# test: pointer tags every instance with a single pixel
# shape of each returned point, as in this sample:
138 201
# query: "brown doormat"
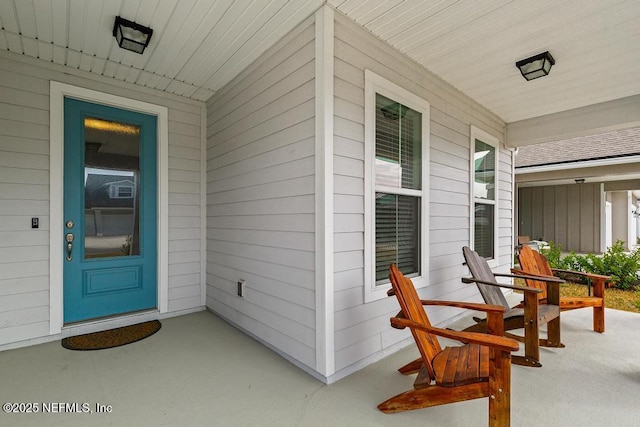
112 337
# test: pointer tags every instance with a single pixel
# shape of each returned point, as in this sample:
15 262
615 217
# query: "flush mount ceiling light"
131 36
536 66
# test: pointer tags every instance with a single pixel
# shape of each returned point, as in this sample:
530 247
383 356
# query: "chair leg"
553 323
499 388
411 367
598 312
433 395
518 338
525 361
532 352
553 333
598 318
531 338
550 343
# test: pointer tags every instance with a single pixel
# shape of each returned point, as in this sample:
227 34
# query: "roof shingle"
618 143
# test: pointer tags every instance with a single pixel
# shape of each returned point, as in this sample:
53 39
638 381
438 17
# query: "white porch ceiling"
198 46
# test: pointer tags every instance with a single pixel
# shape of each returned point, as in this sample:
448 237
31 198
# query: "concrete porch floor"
198 370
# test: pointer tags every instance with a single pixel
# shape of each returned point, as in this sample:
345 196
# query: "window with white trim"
396 184
121 190
484 194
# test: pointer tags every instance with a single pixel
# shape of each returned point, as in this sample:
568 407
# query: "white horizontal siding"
185 207
363 330
505 212
24 187
24 193
260 198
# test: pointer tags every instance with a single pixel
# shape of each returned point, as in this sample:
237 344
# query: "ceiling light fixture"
536 66
131 36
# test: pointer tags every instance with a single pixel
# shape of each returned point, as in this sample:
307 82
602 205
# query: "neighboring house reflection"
109 213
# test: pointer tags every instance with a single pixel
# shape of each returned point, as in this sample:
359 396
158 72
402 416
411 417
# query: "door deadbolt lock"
69 224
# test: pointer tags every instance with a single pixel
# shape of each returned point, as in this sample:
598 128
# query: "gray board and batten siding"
568 215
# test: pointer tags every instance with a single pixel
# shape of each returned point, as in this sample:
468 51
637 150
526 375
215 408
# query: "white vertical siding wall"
24 191
362 330
260 198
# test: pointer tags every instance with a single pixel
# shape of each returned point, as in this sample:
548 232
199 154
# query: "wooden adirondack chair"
530 316
534 263
480 368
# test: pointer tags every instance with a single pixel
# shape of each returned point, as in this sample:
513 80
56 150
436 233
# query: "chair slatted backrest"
534 262
480 270
412 308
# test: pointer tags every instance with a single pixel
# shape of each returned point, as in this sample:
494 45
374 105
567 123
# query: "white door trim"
58 91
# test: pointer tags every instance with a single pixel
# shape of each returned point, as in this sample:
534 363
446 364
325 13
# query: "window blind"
398 165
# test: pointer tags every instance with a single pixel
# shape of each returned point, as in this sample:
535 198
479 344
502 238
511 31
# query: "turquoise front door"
110 211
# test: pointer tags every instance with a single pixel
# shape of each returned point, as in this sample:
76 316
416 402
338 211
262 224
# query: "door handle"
69 238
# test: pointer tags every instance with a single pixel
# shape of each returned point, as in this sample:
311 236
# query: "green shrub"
622 267
553 254
616 263
556 260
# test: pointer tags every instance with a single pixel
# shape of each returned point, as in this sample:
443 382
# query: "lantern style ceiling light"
131 36
536 66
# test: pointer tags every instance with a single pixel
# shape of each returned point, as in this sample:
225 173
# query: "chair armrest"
502 285
497 342
487 308
581 273
525 275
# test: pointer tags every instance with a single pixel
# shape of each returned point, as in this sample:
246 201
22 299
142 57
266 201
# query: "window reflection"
112 184
484 182
484 193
